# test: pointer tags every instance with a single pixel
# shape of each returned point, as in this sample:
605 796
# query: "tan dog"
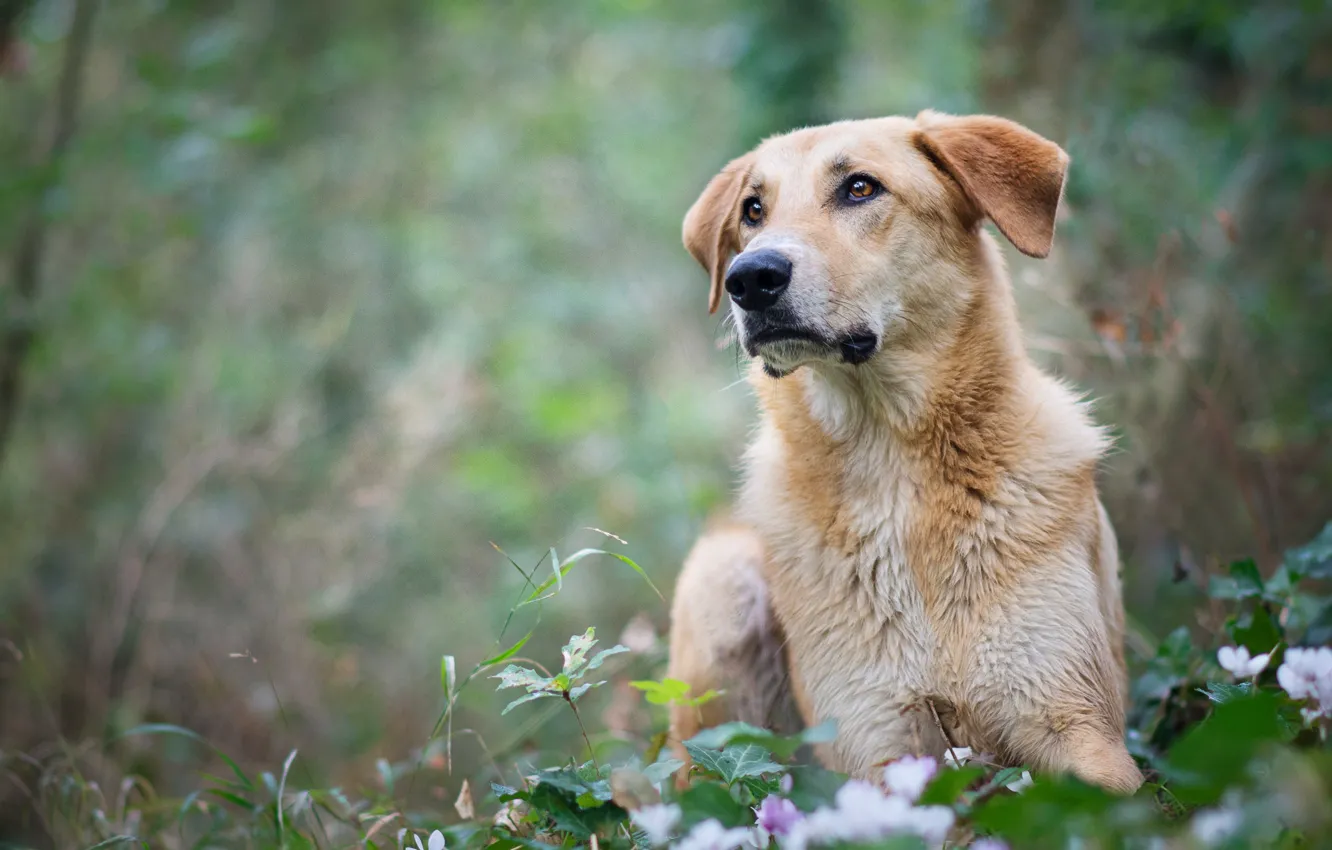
918 528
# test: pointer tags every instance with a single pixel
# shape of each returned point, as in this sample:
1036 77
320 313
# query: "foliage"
334 294
1229 761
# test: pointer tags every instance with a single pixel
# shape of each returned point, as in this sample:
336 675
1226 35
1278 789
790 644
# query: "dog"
918 551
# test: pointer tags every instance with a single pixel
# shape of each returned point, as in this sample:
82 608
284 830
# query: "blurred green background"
306 304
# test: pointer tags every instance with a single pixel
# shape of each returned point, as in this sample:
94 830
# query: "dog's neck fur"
951 394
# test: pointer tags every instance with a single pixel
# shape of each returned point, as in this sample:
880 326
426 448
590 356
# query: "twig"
592 754
948 739
27 270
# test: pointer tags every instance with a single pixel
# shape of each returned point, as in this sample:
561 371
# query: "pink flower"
777 815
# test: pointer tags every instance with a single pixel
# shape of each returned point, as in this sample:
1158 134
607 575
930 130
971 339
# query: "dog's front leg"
724 638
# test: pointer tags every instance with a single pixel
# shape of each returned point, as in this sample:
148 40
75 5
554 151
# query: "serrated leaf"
576 650
514 676
734 762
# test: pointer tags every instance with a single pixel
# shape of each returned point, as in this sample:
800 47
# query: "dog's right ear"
712 225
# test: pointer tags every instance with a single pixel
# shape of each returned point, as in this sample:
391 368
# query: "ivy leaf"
782 746
734 762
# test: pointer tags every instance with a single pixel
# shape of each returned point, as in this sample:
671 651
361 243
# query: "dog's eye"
753 211
860 188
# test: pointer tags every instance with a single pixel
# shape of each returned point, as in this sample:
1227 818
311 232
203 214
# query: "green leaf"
506 654
1220 692
813 786
542 592
1243 582
514 676
1313 559
660 771
576 650
734 762
1256 630
171 729
119 839
782 746
526 698
705 800
282 785
600 657
233 798
448 675
672 692
949 783
1048 814
1216 753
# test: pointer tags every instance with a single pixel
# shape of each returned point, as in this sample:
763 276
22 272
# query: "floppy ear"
711 229
1009 173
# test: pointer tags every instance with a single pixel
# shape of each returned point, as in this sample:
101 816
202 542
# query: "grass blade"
282 786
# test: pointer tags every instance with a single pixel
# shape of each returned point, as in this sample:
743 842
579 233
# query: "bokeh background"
306 304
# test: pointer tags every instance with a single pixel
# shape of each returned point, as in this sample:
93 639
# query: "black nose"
757 279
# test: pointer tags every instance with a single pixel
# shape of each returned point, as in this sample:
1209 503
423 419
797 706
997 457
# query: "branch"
25 281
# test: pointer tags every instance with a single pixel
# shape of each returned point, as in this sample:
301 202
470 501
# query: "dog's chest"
838 558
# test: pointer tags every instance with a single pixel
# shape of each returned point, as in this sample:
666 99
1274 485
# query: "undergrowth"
1233 739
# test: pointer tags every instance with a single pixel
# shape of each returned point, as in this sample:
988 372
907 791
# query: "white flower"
711 835
909 775
1238 663
988 844
865 813
1307 674
1024 782
957 756
1215 825
656 821
436 841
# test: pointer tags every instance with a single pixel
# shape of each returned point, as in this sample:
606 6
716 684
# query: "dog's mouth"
783 348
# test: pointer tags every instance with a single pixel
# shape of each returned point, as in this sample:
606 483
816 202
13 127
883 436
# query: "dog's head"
837 243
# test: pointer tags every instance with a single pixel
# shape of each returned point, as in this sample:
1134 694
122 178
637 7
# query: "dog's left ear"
1009 173
712 225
